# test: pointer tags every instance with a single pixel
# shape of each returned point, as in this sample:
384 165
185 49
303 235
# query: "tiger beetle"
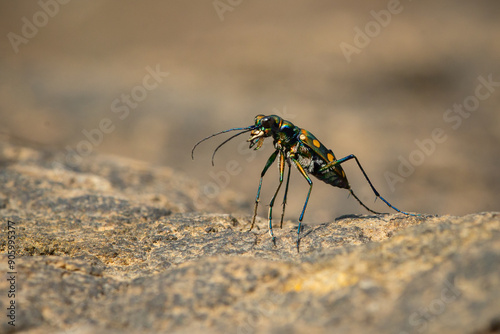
302 149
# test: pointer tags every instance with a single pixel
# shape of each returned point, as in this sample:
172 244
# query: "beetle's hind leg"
363 204
352 156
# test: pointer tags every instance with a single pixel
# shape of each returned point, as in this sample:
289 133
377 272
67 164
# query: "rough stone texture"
116 246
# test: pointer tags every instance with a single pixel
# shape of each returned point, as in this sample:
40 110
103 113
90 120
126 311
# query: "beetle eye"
267 122
258 118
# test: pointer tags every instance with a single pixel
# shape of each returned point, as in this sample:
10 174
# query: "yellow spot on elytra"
316 143
302 137
330 157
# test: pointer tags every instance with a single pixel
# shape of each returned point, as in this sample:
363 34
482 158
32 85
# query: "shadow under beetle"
301 148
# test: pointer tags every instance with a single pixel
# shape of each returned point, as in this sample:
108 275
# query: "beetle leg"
257 198
308 179
286 192
352 156
271 204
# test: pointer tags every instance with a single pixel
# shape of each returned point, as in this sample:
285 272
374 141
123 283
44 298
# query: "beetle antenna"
225 141
218 133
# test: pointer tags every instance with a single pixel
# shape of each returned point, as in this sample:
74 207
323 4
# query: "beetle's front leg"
271 204
257 198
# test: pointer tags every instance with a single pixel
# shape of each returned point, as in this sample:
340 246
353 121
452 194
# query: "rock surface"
117 246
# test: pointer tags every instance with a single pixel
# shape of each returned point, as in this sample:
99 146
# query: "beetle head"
265 126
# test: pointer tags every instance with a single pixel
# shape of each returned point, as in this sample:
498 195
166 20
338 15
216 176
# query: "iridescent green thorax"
286 135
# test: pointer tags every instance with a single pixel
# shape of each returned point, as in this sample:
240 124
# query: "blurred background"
367 77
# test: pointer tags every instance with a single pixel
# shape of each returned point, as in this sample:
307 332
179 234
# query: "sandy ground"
374 78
